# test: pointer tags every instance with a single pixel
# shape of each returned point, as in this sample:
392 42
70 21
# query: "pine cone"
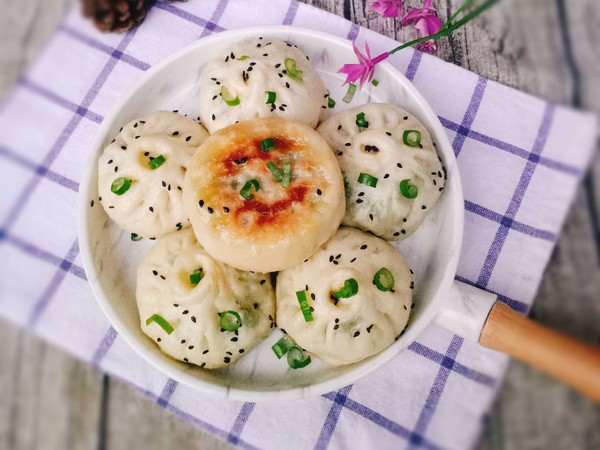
115 15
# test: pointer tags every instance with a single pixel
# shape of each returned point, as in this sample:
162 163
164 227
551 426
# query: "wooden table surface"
548 48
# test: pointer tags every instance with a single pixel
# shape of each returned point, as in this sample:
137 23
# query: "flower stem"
449 27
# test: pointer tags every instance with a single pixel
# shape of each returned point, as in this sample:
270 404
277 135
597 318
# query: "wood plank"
52 399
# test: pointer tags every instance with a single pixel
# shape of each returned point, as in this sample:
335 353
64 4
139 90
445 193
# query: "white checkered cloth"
521 160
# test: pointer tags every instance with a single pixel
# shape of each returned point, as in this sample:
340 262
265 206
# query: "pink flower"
366 67
426 23
387 8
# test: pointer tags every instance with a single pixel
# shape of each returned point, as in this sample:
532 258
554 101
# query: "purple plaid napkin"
521 159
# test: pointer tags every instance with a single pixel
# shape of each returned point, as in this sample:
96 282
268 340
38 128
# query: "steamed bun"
192 311
409 179
240 207
150 202
250 69
347 330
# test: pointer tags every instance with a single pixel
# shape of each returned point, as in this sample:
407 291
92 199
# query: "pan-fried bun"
150 156
348 329
182 314
273 227
247 71
370 140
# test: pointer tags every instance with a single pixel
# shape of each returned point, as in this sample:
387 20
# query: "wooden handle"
568 360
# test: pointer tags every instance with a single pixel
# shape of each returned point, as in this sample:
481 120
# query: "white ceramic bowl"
111 259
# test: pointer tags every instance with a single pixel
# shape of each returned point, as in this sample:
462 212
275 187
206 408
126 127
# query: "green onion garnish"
282 346
230 320
304 306
228 97
361 122
245 192
412 138
408 190
350 289
243 57
291 70
161 322
287 174
369 180
120 186
297 358
375 82
330 103
267 144
271 97
384 280
350 94
275 171
157 162
196 276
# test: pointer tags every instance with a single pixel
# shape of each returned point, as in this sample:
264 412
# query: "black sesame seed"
388 133
363 247
330 258
175 133
399 165
116 169
423 207
162 277
92 203
405 117
205 352
210 210
215 97
405 220
158 339
151 209
154 272
287 85
371 216
185 359
164 184
229 353
193 319
356 333
263 281
234 339
403 231
191 347
123 147
187 139
225 209
335 327
405 308
176 305
339 127
241 350
360 194
201 203
136 137
146 153
340 153
319 192
352 260
312 296
369 328
202 365
213 117
110 161
396 233
387 175
348 144
255 305
185 312
360 200
183 341
110 207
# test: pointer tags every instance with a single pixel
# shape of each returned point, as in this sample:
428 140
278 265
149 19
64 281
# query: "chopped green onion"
267 144
157 162
350 289
375 82
287 174
384 280
230 320
243 57
271 97
369 180
135 237
196 276
350 94
282 346
229 98
412 138
120 186
408 190
330 103
297 358
160 321
275 171
361 122
291 70
245 192
304 306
